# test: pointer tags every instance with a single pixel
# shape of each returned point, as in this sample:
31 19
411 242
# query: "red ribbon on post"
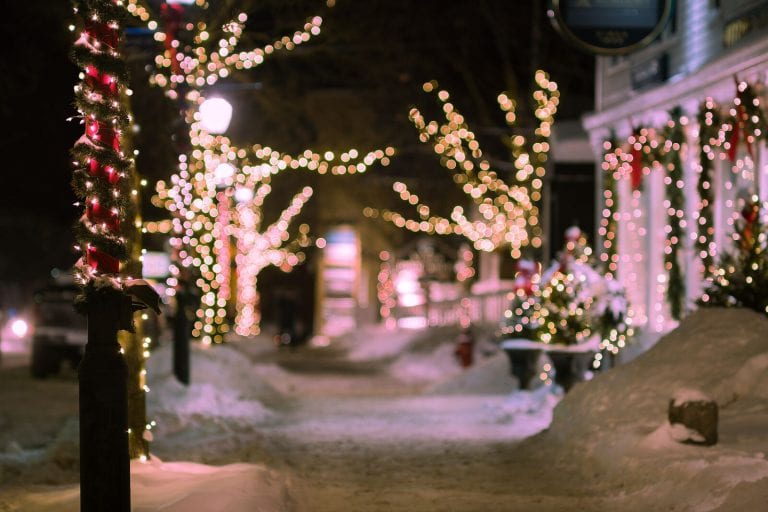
636 174
102 262
105 38
750 212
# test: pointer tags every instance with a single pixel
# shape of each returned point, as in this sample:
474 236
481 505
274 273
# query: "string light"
104 177
385 290
721 134
502 213
203 223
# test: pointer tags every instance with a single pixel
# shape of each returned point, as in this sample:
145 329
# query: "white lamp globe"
215 115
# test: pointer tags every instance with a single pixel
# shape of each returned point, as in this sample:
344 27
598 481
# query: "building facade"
667 207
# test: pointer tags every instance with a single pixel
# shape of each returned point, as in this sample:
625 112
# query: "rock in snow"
696 413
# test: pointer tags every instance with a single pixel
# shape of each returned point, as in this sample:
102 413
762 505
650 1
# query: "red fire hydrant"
465 347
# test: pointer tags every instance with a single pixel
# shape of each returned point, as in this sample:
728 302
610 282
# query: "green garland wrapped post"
709 126
103 181
675 205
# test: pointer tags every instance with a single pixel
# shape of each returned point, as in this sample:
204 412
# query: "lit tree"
741 279
260 247
502 213
201 211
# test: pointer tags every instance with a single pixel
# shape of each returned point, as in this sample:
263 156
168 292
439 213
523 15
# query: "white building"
705 50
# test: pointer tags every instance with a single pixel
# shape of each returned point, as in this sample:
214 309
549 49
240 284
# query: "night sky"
36 80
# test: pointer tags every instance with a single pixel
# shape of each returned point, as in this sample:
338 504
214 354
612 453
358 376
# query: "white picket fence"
482 308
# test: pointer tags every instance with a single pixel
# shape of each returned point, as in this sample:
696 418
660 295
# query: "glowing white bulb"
215 115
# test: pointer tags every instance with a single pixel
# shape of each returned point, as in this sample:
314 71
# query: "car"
59 333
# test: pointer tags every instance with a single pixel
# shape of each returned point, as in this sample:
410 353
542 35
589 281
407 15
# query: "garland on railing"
747 122
710 122
742 126
675 205
613 161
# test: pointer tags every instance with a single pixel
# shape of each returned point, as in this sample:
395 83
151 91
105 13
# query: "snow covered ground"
388 421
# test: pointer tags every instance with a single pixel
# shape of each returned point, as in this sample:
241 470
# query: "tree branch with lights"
502 212
199 201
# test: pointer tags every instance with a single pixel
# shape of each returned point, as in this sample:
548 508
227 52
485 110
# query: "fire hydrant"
465 346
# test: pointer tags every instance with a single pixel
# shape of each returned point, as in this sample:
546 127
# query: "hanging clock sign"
610 27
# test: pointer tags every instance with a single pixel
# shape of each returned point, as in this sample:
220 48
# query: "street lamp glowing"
215 115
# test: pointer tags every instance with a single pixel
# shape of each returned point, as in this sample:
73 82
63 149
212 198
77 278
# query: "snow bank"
219 413
222 367
224 386
174 487
529 412
616 423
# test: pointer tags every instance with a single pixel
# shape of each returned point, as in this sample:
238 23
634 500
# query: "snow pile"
203 399
530 412
437 364
224 406
616 423
174 487
490 376
222 367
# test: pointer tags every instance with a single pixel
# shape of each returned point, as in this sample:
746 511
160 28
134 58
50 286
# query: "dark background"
350 87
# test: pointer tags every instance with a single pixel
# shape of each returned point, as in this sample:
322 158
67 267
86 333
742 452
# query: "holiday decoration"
503 214
609 218
260 247
742 277
102 175
199 195
105 180
521 318
728 135
747 123
570 303
709 130
385 289
674 141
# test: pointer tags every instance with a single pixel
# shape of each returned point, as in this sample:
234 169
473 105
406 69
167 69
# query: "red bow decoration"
526 269
738 128
749 213
102 134
636 174
97 214
103 33
102 261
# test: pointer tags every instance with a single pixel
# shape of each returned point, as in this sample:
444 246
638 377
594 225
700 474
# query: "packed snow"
402 427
